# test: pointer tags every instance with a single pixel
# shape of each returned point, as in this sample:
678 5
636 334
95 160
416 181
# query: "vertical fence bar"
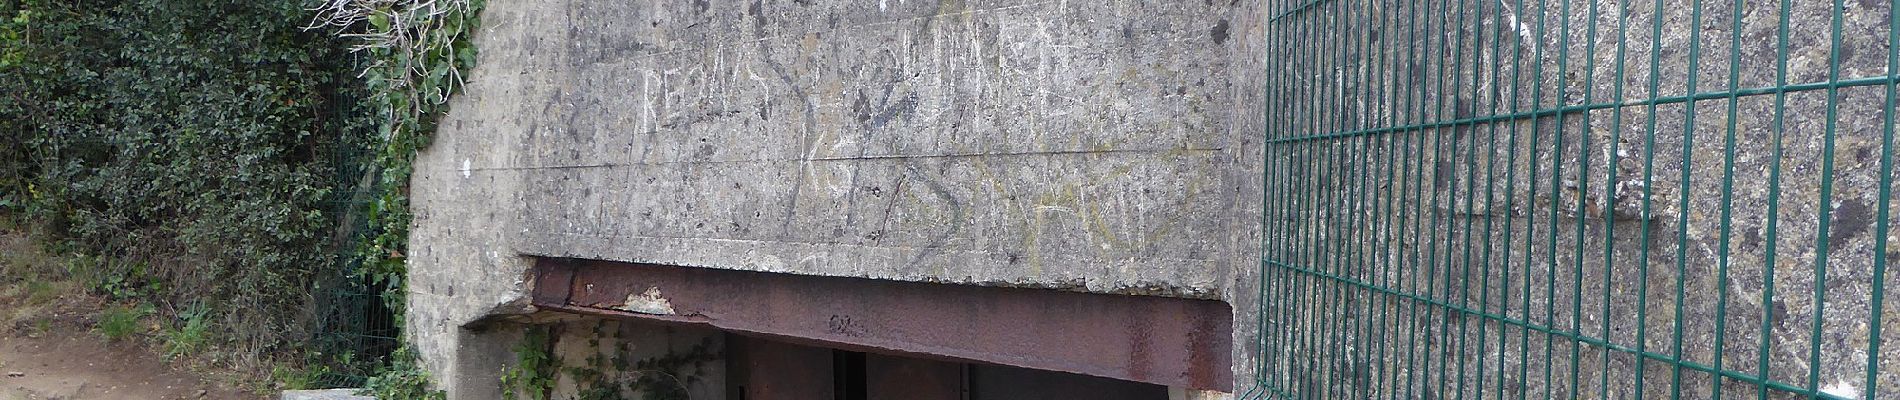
1884 201
1682 217
1774 196
1825 207
1728 196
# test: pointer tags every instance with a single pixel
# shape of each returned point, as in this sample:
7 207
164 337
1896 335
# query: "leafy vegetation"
120 322
532 376
209 152
403 379
185 148
289 377
603 375
189 336
417 51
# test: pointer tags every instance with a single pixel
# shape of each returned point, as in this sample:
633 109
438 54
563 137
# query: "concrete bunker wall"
1083 146
1113 147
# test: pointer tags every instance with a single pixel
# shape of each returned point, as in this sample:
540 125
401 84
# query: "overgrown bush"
188 146
416 51
187 151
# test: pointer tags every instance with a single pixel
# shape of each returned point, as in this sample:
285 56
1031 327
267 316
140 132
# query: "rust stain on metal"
648 302
1166 341
552 278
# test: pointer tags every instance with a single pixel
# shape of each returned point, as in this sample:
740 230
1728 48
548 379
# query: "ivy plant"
417 52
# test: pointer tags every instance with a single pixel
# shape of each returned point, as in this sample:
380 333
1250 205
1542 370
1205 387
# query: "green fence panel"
1579 199
356 330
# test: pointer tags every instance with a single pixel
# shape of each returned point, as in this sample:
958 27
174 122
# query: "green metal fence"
355 328
1561 199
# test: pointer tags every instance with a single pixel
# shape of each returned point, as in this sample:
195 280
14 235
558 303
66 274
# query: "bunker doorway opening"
955 341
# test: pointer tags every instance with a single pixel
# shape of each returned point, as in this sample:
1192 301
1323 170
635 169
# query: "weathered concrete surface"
1244 189
1042 144
1075 145
328 394
463 266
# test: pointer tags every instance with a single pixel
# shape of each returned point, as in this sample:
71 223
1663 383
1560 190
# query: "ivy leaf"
379 21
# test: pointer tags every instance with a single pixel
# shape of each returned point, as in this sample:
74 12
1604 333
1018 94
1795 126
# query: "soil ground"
79 367
49 348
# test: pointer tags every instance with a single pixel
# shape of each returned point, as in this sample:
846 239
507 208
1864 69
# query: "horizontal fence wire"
1579 199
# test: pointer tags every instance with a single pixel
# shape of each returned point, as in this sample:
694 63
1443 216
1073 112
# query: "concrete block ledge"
326 394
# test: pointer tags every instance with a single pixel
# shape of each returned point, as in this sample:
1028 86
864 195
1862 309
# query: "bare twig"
410 29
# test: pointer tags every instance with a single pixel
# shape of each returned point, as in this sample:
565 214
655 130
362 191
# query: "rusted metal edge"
1167 341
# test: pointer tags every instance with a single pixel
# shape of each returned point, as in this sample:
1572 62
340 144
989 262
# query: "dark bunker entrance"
787 336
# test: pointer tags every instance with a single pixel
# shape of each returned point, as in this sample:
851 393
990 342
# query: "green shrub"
191 151
190 334
119 322
417 52
185 150
403 379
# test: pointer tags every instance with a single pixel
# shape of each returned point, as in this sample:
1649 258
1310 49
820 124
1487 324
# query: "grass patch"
292 378
31 281
41 291
119 322
189 336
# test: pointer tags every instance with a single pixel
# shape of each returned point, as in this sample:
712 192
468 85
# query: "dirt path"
49 349
78 366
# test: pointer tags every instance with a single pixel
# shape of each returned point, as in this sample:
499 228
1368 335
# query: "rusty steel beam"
1159 340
